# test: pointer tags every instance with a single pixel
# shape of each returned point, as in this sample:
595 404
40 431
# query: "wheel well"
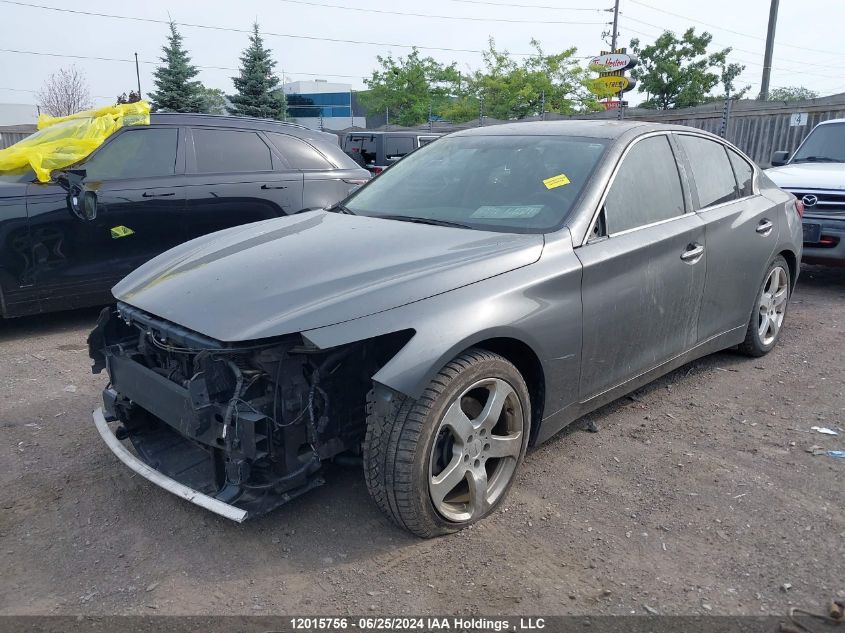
792 262
526 361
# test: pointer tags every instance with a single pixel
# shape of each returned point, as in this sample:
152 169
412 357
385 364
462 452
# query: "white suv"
816 175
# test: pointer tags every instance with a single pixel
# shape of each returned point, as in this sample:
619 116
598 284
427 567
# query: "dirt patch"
698 495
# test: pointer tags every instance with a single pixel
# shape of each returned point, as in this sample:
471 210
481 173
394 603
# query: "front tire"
769 311
440 463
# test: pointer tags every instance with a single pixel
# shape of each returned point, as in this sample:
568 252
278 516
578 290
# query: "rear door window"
711 170
230 151
647 187
142 153
298 153
744 174
396 147
363 145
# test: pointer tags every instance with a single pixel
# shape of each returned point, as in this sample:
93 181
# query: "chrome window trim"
648 226
611 180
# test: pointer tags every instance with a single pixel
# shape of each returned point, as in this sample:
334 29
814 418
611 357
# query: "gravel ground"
697 496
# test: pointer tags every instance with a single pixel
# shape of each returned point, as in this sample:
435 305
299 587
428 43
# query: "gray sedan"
476 298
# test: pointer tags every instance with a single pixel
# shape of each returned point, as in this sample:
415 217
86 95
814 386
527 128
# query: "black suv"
65 243
376 151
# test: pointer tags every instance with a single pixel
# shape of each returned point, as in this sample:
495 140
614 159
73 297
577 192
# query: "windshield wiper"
817 159
339 208
419 220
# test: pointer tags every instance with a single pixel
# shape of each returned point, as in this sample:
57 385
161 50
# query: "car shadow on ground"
822 277
46 324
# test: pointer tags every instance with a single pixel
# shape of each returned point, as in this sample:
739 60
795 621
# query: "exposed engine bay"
248 424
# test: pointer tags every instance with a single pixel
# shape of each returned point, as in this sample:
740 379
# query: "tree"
64 93
792 93
132 98
408 87
213 101
176 89
515 90
677 72
256 85
727 76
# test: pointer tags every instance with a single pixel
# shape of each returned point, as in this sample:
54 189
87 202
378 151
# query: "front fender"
538 305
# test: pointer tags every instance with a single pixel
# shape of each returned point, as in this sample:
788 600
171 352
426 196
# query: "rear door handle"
693 253
274 186
147 194
765 227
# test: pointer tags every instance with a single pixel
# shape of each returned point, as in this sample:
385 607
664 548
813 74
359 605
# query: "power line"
727 30
734 48
246 31
144 61
527 6
428 15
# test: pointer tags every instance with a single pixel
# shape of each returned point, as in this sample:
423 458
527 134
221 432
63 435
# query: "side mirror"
83 203
779 158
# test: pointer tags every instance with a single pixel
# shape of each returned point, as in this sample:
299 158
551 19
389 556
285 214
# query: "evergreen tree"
257 93
176 90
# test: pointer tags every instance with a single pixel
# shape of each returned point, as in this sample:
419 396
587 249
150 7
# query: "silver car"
476 298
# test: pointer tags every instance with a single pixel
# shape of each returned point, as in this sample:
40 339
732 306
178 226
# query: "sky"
806 50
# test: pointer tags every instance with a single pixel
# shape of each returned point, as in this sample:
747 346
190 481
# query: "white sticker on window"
507 212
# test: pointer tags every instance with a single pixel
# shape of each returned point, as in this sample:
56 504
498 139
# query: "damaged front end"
245 426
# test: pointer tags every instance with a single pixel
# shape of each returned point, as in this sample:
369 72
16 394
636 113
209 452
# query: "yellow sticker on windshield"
556 181
121 231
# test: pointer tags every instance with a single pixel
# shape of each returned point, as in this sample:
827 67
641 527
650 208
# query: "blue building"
322 105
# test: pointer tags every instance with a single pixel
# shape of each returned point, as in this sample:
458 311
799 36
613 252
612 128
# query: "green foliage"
176 90
213 101
133 97
727 76
515 90
408 87
506 88
678 72
256 85
792 93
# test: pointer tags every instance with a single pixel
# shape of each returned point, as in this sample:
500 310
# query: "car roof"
832 121
579 127
395 133
252 123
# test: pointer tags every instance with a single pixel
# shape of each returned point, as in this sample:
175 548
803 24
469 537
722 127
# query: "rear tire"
769 313
440 463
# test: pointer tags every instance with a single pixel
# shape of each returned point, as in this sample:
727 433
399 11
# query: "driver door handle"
274 186
693 253
147 194
765 227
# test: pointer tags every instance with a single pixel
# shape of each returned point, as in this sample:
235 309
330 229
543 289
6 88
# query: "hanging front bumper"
171 485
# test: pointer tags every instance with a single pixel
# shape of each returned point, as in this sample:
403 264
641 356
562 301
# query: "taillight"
799 207
378 170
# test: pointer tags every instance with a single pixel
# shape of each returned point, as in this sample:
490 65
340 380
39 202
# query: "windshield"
826 144
521 184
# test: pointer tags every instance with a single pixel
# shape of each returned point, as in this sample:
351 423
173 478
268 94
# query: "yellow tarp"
63 141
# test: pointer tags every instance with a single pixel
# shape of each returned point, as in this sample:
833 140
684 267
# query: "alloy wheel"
476 450
772 305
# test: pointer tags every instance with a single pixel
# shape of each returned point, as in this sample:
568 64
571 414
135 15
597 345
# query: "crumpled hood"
314 269
809 175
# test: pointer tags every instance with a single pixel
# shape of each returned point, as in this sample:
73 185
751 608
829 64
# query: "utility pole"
138 75
387 117
615 34
543 105
480 110
770 47
620 114
429 116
